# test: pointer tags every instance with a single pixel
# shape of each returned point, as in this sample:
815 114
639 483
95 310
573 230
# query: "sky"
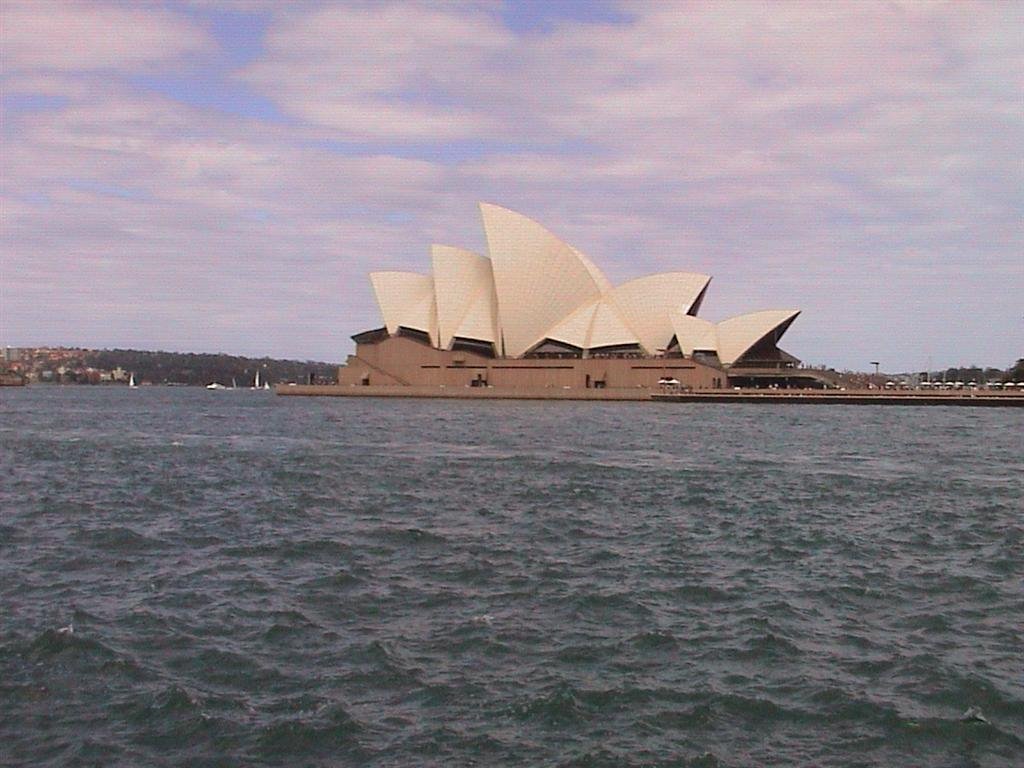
221 176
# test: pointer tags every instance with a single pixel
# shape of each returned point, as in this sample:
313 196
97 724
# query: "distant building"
536 312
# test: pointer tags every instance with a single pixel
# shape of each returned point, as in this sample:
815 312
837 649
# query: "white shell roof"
406 298
738 334
608 328
464 287
598 324
694 334
645 304
595 273
575 329
481 319
534 286
539 280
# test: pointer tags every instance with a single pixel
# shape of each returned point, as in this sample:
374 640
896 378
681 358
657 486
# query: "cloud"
859 160
86 36
381 70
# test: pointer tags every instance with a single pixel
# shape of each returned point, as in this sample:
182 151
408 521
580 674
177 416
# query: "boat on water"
131 381
218 386
260 385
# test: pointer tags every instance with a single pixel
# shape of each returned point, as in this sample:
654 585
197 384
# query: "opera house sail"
535 312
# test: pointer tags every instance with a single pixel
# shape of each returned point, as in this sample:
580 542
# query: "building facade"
537 313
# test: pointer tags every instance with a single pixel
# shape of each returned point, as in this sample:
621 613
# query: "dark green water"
254 580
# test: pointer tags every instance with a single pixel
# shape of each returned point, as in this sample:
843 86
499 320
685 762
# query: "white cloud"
86 36
355 68
853 159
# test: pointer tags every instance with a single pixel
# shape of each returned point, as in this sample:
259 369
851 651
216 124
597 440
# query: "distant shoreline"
105 367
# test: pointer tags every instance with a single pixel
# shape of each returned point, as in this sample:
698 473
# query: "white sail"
256 384
131 380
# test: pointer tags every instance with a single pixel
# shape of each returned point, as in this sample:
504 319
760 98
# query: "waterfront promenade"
968 398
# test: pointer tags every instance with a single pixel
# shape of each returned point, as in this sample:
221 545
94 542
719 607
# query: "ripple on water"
331 732
268 581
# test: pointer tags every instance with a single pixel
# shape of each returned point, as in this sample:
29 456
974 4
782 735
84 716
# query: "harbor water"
231 578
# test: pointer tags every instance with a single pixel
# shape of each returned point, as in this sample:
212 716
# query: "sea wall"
466 392
792 397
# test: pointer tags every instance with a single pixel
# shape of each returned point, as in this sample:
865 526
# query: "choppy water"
255 580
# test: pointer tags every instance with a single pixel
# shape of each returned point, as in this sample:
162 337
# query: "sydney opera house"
536 313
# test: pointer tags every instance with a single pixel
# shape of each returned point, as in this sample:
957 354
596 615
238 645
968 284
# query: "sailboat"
131 381
257 384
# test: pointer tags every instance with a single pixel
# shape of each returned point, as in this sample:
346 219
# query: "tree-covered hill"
201 369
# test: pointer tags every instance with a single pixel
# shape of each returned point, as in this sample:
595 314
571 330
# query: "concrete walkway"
978 398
